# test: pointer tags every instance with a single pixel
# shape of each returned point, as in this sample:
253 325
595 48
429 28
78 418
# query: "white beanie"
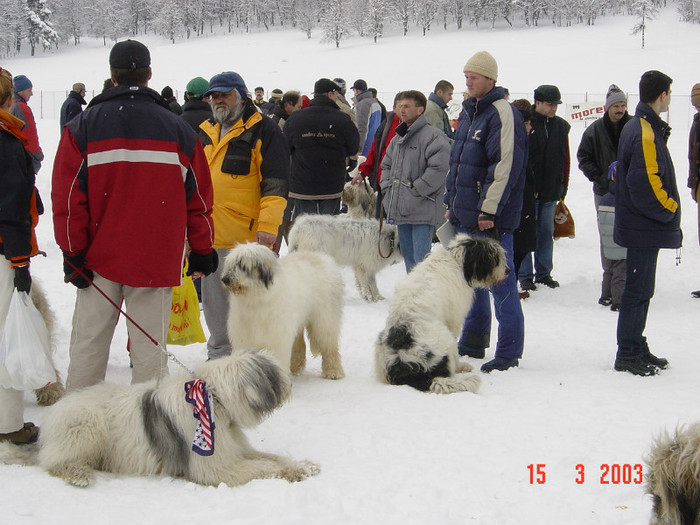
484 64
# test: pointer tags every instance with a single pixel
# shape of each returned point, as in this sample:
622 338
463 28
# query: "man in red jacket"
130 185
23 92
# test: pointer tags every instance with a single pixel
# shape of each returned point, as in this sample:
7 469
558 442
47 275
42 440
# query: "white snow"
393 455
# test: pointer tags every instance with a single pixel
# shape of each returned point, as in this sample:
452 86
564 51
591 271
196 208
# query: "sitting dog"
418 347
274 299
673 477
351 242
360 199
151 429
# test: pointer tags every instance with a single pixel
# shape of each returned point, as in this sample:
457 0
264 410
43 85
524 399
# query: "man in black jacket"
549 160
73 105
320 139
598 149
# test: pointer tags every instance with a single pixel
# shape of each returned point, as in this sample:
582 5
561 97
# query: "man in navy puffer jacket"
484 196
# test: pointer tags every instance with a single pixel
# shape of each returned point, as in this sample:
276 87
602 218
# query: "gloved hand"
352 164
23 280
206 264
71 275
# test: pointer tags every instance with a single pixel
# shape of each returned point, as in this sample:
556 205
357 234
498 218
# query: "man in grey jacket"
435 110
413 178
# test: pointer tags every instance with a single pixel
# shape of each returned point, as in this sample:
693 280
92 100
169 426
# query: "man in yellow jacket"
249 163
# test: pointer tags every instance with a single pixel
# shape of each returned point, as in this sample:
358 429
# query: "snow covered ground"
392 455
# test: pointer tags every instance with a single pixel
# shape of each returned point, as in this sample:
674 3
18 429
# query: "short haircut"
259 88
443 85
373 91
129 77
416 96
523 105
652 84
290 96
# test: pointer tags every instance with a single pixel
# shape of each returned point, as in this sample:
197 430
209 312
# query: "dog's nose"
226 280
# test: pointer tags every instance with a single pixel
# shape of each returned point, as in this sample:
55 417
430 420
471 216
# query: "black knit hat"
129 54
547 93
324 85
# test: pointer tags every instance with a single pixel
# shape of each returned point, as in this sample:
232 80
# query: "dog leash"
379 241
169 355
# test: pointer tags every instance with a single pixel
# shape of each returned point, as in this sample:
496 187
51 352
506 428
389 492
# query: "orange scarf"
13 125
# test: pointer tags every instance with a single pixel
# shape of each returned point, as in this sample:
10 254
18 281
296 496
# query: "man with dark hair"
249 162
130 186
170 100
484 198
435 111
265 106
320 138
368 115
598 149
647 218
413 178
548 158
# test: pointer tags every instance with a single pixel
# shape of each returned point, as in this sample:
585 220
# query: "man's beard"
224 115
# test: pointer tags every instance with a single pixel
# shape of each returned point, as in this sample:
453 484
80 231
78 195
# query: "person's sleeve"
200 198
500 150
586 156
274 177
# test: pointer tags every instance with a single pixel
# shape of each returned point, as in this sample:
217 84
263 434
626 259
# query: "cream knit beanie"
484 64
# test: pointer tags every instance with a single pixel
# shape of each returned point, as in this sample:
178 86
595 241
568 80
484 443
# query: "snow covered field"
392 455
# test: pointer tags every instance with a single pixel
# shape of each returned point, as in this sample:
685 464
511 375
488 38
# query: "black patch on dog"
268 385
401 373
164 437
687 507
399 338
480 259
264 274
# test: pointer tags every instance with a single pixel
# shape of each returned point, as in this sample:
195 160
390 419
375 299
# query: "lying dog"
418 347
274 299
351 242
147 429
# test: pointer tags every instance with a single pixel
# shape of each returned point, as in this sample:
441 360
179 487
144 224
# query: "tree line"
46 24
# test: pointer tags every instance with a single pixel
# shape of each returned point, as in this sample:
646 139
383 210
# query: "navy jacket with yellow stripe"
647 205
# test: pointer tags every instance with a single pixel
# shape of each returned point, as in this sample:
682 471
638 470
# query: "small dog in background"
418 347
274 299
50 393
673 477
351 242
360 199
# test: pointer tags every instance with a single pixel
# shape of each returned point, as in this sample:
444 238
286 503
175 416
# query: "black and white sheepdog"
274 299
418 347
351 242
151 429
673 477
360 199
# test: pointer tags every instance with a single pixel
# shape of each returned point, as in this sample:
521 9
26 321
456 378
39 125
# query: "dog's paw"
463 367
48 395
336 373
76 475
451 385
301 470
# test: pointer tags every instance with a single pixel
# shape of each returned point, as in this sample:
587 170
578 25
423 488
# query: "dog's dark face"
483 260
249 267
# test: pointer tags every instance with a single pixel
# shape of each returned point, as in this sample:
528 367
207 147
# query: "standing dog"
418 347
272 301
351 242
360 199
147 429
673 477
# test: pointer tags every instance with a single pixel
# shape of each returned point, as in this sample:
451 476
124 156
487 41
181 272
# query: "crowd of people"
227 167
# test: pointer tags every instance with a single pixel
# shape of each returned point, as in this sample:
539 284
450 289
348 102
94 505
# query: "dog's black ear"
264 273
480 259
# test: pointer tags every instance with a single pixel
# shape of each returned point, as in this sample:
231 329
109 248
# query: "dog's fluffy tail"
458 383
26 455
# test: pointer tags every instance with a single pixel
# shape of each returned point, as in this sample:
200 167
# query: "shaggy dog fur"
673 477
51 393
351 242
418 347
273 300
360 199
147 429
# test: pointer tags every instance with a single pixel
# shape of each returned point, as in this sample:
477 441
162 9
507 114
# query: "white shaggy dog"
274 299
351 242
418 347
147 429
673 477
360 199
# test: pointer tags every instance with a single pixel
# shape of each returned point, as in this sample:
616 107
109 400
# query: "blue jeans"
544 211
639 289
317 207
476 331
414 242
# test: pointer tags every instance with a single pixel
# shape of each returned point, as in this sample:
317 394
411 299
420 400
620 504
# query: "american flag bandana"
197 394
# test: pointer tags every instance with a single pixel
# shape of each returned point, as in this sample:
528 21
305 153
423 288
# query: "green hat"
197 87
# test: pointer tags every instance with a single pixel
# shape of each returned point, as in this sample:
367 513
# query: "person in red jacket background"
23 92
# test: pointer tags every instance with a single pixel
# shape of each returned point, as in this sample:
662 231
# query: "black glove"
352 164
206 264
71 274
23 280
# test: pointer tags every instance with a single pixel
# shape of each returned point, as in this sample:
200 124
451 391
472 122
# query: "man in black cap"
549 161
130 184
320 138
368 115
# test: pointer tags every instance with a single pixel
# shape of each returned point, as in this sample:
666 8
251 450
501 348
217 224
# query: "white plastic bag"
24 347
